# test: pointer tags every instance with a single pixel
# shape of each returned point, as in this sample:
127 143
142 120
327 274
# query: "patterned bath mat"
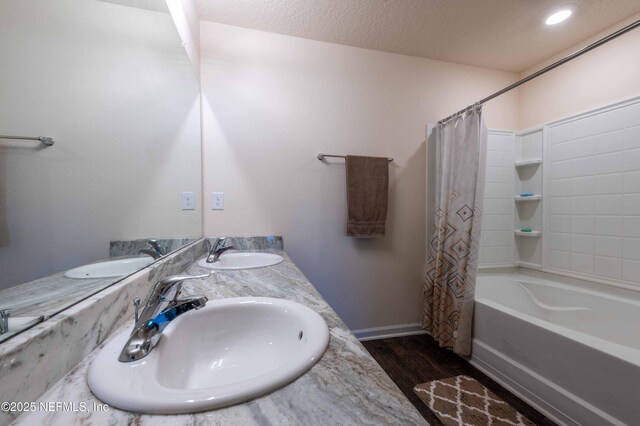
462 401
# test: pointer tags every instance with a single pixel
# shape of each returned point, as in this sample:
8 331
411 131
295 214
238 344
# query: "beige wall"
272 102
113 85
603 76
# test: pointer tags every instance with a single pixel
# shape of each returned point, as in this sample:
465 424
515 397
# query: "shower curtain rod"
548 68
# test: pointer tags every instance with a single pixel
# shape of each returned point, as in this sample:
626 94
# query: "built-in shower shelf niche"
527 163
528 211
520 198
533 234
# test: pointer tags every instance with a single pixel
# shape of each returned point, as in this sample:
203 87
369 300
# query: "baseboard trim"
388 331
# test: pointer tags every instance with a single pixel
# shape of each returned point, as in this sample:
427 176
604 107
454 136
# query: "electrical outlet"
217 200
188 201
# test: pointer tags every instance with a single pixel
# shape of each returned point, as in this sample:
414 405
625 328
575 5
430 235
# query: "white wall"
113 85
272 102
601 77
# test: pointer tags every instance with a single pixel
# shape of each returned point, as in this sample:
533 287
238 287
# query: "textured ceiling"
503 34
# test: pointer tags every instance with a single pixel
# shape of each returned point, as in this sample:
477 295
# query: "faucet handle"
167 283
176 279
217 248
218 243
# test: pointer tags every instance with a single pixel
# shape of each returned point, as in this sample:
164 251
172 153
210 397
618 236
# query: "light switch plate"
217 200
188 201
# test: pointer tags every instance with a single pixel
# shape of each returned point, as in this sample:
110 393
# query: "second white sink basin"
228 352
242 260
111 268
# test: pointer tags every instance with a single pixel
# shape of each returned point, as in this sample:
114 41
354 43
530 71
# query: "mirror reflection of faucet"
4 320
9 323
156 251
161 307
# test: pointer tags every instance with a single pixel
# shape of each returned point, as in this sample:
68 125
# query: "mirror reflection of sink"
242 260
111 268
228 352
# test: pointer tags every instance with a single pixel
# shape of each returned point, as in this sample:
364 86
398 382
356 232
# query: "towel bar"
321 157
45 140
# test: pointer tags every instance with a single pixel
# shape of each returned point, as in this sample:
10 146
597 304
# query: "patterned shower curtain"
452 253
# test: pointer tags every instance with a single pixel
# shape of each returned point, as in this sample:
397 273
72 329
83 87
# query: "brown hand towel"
367 195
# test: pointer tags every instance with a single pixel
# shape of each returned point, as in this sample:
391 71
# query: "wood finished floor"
418 359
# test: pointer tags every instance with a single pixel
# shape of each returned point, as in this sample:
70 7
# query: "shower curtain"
452 252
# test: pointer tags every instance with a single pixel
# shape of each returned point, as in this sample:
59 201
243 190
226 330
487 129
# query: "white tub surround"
567 347
345 387
583 215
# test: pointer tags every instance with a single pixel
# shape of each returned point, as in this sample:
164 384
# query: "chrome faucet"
155 252
4 320
161 307
217 248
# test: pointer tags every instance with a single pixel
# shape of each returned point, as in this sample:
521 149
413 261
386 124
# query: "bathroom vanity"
346 386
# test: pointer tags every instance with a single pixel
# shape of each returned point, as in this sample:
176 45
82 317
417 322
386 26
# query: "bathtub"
570 348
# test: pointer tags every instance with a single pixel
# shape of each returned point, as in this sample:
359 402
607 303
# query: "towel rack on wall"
321 157
45 140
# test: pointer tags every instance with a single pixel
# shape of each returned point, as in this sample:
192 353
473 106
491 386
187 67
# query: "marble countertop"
346 387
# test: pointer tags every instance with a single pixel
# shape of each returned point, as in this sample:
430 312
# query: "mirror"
110 82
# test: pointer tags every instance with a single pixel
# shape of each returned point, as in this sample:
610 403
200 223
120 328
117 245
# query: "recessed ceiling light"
558 16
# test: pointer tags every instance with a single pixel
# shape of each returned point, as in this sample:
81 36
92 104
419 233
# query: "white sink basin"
111 268
228 352
242 260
